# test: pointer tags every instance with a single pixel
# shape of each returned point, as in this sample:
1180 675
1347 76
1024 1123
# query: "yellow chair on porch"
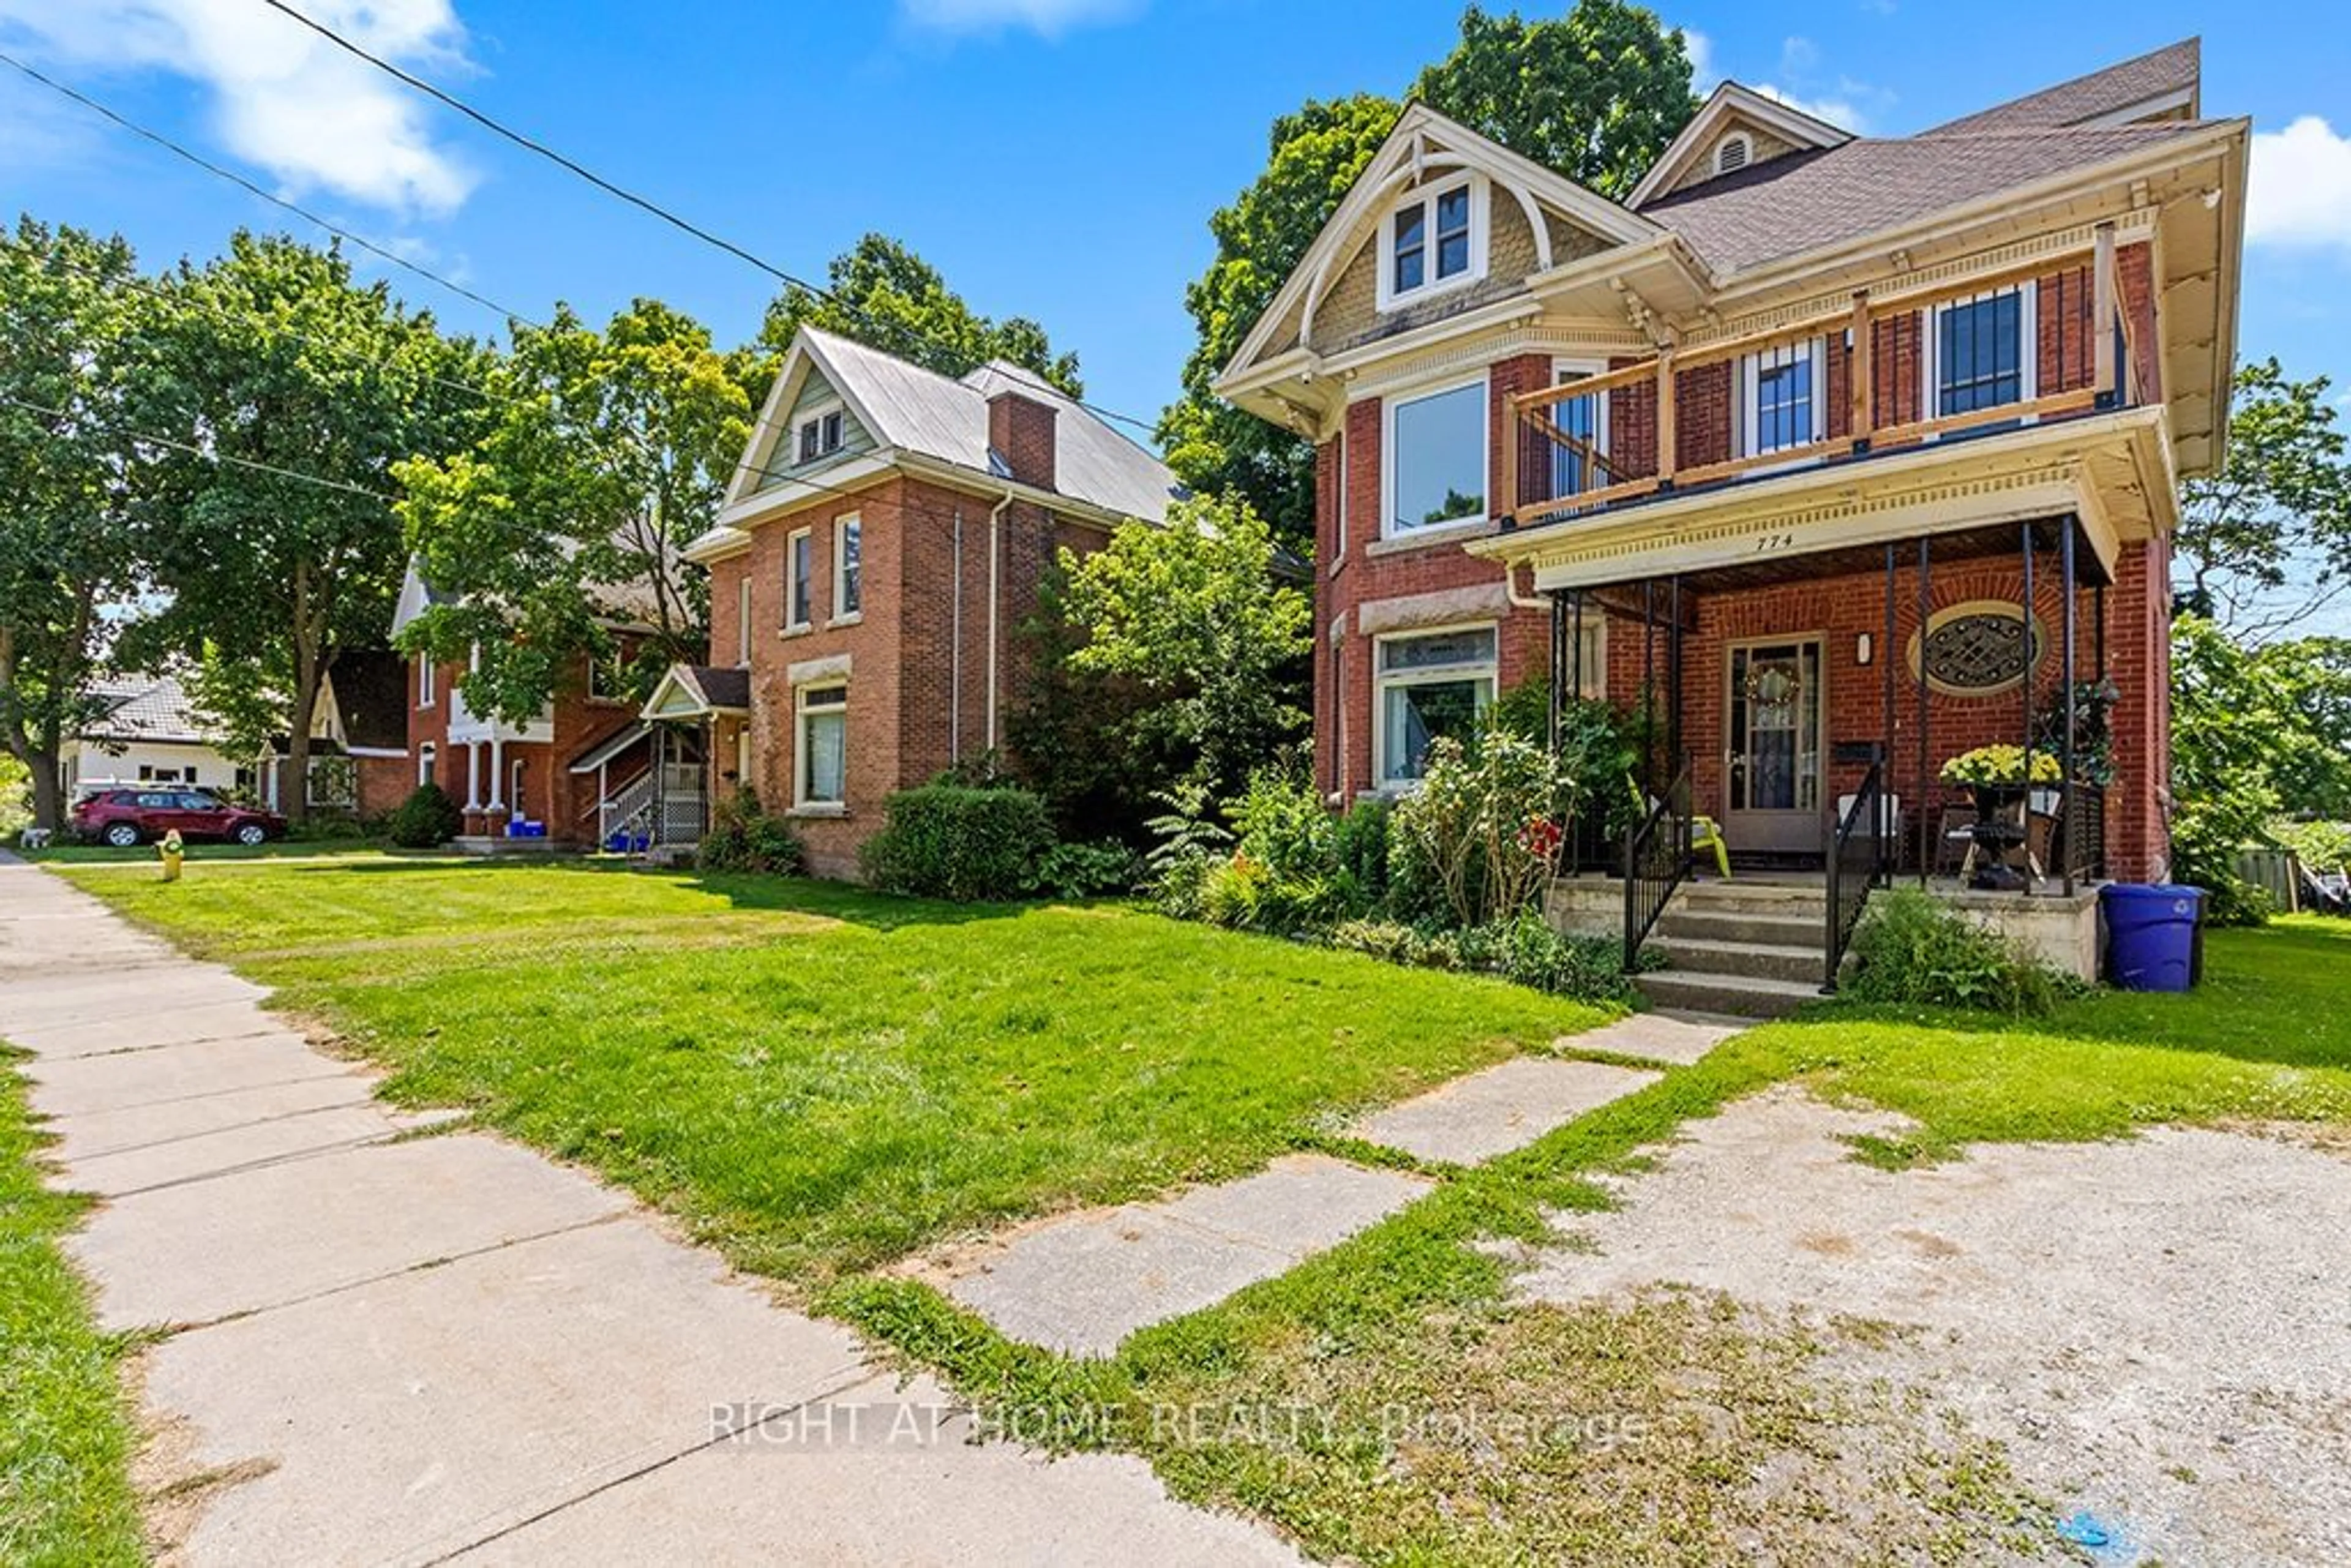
1706 833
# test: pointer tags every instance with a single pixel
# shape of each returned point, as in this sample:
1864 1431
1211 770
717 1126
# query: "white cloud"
284 97
1047 19
1701 59
1840 112
2299 192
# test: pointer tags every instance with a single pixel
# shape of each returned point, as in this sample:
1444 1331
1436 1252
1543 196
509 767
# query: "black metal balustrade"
1858 859
1656 859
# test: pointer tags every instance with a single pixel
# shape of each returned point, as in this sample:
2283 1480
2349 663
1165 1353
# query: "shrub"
1286 826
1087 870
1524 950
1473 843
743 837
427 818
1910 949
1360 847
948 841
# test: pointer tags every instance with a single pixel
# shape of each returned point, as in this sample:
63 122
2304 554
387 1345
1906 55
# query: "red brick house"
1837 455
880 546
572 775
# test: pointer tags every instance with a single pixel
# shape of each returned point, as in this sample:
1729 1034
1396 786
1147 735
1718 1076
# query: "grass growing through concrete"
824 1080
821 1079
65 1429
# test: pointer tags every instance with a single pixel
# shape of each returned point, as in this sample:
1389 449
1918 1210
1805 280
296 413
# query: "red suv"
126 817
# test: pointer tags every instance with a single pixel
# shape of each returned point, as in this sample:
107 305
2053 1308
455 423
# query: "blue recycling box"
2151 934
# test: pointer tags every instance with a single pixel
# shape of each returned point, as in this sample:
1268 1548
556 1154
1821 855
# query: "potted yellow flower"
2000 775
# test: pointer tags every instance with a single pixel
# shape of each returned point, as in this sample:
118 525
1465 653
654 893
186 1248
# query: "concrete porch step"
1738 996
1686 921
1748 960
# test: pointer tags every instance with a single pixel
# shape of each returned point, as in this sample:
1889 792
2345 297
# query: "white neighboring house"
147 733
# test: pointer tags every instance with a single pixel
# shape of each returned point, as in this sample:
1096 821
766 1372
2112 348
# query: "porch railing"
2082 832
1814 392
1858 859
1656 859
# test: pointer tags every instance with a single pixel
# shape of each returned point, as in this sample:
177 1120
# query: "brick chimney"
1021 432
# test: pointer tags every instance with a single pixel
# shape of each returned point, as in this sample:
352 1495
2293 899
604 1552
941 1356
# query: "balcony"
2012 394
468 727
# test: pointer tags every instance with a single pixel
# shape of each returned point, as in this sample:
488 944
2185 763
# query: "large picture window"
1436 458
823 745
1430 684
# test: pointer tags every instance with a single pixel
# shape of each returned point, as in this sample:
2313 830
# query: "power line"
642 203
160 139
217 456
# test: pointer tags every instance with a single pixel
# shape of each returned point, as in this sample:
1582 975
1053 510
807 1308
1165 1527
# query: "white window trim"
427 755
1388 297
2028 348
1595 658
815 414
801 804
792 584
743 622
1751 379
841 525
428 682
1723 146
1389 407
1433 675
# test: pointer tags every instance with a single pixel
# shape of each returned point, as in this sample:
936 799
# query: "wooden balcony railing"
1623 435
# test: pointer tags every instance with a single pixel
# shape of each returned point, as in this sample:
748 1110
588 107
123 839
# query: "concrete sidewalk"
450 1348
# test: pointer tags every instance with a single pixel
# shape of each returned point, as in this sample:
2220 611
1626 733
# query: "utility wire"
160 139
642 203
216 456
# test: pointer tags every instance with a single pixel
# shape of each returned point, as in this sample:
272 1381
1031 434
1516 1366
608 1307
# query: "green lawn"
65 1430
823 1080
199 851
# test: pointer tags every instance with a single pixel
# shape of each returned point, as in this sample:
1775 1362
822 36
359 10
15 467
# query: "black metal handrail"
1858 859
1656 859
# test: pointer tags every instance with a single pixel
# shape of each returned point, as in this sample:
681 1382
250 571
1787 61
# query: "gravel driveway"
2159 1330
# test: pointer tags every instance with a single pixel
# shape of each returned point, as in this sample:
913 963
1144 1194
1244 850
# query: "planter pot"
1999 829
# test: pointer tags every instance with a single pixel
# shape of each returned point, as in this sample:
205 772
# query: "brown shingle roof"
2166 71
1808 200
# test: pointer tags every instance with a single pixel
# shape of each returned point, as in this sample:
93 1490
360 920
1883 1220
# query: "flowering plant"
2002 765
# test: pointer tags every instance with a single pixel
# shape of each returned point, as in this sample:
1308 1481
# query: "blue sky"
1056 158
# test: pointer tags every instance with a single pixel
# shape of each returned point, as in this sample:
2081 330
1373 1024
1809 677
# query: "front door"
1772 765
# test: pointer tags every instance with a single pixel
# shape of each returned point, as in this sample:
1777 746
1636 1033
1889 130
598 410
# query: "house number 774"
1773 541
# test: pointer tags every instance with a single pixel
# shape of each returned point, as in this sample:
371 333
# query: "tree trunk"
295 794
48 796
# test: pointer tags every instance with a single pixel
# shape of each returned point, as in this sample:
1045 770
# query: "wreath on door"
1773 685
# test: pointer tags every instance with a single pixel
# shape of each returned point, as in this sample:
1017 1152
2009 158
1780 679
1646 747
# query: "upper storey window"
1432 240
1979 352
1435 458
820 435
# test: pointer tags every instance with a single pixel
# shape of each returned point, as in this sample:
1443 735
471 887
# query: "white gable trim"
773 428
1730 102
414 599
1424 142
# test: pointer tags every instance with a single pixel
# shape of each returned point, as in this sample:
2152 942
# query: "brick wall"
548 792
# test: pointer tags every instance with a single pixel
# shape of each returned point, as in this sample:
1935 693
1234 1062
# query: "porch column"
1649 681
2067 825
2026 686
1674 674
1926 610
1558 664
498 801
1577 656
1886 852
473 775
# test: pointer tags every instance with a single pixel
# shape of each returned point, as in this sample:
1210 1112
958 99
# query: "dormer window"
1733 152
820 435
1432 241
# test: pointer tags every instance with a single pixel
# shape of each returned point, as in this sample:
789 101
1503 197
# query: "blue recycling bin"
2151 934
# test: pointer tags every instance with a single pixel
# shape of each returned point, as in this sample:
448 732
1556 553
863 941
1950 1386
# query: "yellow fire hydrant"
171 850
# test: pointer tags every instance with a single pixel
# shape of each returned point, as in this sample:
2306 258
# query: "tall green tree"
69 333
1596 94
298 387
607 453
2265 543
1193 613
880 294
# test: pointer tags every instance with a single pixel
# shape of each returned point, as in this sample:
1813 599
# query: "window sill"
817 809
799 630
1392 300
1429 538
850 620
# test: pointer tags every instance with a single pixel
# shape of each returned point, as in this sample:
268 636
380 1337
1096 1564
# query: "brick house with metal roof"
1836 456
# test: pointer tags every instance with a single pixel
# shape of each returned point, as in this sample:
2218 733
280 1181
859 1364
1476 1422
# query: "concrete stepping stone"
927 1501
282 1233
1680 1039
120 1080
1080 1285
1505 1107
113 995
